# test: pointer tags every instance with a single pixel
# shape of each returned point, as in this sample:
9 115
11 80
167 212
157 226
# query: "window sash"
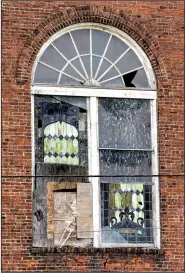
93 149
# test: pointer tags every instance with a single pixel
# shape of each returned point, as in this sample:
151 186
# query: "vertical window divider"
155 180
91 63
94 168
33 140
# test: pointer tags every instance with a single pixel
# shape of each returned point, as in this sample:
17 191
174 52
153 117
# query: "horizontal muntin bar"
123 149
125 182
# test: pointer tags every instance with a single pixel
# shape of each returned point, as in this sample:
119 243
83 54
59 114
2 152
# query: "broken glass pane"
128 79
140 80
77 101
124 123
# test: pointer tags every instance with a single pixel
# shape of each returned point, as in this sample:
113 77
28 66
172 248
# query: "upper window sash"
93 92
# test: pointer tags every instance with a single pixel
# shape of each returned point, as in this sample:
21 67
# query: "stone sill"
91 250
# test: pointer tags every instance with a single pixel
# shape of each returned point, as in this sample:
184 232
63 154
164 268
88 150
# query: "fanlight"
90 57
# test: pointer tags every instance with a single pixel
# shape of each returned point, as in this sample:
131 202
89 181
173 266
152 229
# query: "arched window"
95 114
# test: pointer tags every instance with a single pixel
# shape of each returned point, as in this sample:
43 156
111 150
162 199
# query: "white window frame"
93 152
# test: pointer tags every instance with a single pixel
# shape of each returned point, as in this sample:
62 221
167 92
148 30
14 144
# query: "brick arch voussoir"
96 14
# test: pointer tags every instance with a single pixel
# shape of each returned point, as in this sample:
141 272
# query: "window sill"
69 249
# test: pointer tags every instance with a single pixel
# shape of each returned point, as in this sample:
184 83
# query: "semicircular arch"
54 23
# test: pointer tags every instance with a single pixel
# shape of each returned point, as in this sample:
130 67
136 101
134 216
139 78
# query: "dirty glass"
125 163
124 123
125 150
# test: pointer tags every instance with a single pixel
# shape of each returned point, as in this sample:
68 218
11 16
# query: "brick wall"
158 28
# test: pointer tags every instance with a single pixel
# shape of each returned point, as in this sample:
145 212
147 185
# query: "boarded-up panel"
41 237
62 188
64 218
84 211
39 220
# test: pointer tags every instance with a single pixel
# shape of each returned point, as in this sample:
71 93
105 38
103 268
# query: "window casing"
103 155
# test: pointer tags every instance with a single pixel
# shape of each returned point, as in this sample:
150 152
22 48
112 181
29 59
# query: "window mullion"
155 171
94 168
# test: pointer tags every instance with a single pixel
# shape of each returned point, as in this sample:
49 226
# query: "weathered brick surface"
158 28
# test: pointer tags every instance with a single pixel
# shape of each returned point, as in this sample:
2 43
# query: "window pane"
69 70
110 74
61 143
53 58
82 40
115 49
45 74
79 102
99 41
104 66
115 83
128 62
140 79
125 163
65 46
64 130
86 63
126 213
124 123
95 64
77 64
66 80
